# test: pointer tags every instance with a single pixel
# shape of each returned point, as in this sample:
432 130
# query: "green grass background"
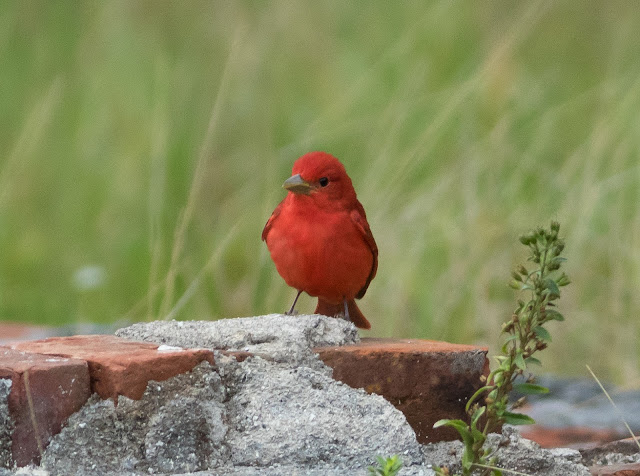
143 145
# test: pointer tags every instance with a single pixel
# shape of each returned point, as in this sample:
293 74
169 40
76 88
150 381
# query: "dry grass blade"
635 438
187 212
192 288
30 136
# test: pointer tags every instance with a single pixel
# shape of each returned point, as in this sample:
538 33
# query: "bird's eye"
324 181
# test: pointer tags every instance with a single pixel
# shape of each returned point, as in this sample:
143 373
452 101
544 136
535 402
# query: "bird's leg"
346 311
291 311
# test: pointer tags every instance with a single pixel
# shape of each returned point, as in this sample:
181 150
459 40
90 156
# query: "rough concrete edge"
6 425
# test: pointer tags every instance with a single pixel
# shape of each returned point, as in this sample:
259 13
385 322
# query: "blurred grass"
139 134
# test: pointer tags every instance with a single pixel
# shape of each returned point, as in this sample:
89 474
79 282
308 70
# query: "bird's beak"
296 184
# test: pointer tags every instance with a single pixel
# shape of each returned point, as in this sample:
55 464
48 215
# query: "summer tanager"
319 238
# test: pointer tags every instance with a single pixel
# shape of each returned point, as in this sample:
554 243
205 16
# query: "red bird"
319 238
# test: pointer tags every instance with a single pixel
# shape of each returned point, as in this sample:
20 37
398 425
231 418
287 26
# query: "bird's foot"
292 310
342 315
345 314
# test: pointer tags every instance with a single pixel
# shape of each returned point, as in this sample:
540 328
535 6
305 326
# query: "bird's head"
321 177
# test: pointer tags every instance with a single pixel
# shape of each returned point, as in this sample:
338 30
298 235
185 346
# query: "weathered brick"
568 437
630 469
16 331
119 366
426 380
45 391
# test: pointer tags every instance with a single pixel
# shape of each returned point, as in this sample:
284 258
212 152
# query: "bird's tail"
327 309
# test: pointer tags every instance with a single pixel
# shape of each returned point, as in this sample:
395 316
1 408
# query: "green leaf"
461 427
533 361
542 334
493 394
457 424
551 285
519 361
477 393
530 388
563 280
553 315
467 459
476 416
517 419
386 466
505 345
504 366
478 435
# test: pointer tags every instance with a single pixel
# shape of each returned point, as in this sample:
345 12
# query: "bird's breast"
322 253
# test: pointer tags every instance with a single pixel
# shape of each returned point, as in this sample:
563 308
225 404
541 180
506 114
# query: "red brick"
426 380
568 437
58 387
631 469
119 366
15 331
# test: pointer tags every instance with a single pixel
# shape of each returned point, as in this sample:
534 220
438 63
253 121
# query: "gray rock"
291 470
278 415
178 426
282 338
514 453
616 452
283 415
30 471
6 425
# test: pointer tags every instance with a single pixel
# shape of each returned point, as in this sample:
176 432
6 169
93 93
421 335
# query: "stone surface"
280 337
320 470
284 415
119 366
615 452
25 471
426 380
241 419
57 387
631 469
177 427
513 453
6 425
278 413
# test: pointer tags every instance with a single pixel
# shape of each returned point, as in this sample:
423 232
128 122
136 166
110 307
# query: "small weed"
526 335
386 466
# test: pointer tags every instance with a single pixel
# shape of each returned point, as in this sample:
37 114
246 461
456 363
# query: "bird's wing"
270 221
359 218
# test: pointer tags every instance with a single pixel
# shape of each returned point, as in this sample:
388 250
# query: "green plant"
386 466
526 335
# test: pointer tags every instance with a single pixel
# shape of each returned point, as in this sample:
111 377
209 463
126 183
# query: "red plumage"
319 238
